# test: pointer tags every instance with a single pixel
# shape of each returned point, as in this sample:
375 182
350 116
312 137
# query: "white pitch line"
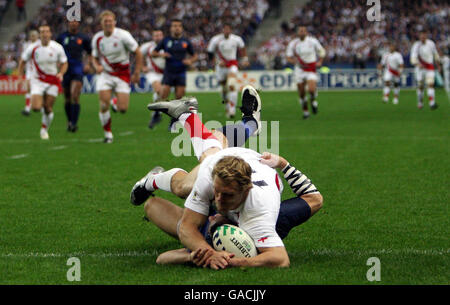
319 252
126 133
58 147
95 140
21 156
81 254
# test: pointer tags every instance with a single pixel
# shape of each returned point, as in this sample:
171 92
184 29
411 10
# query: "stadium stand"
202 19
3 8
342 27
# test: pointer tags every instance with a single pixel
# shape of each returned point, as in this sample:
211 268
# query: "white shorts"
301 76
424 75
388 76
222 72
28 74
154 77
38 87
106 81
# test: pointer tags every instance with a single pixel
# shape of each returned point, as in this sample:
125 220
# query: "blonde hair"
107 13
231 168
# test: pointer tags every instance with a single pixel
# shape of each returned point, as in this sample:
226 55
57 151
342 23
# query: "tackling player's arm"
299 183
267 257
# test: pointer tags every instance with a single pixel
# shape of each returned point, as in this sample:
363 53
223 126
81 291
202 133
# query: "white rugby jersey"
306 52
392 62
114 50
225 49
259 213
29 64
155 64
424 53
45 59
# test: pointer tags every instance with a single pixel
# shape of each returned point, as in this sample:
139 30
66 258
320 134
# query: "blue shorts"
293 212
174 79
69 77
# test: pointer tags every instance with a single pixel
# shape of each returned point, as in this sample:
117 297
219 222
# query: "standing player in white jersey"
111 49
224 48
424 56
33 35
392 62
154 70
307 54
50 65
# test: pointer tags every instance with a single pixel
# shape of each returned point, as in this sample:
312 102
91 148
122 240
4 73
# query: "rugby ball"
234 240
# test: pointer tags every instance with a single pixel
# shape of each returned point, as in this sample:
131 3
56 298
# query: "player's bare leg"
232 95
431 99
157 94
47 115
36 102
105 115
26 111
302 94
396 92
164 93
419 91
123 101
164 214
223 85
386 91
312 90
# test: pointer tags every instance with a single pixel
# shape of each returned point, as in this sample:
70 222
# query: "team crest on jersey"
115 45
169 44
184 45
79 41
66 40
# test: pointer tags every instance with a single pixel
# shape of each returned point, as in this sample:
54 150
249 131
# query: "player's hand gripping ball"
234 240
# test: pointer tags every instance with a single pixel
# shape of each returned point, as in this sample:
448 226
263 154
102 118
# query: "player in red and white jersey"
392 62
50 65
154 69
33 35
224 48
111 49
424 56
307 54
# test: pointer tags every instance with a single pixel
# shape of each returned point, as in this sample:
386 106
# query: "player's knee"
316 202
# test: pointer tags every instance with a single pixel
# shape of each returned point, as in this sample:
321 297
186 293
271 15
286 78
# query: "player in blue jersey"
179 54
74 44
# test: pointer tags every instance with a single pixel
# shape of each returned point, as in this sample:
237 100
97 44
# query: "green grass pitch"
383 171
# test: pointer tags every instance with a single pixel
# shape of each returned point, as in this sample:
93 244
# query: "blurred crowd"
340 25
344 30
202 19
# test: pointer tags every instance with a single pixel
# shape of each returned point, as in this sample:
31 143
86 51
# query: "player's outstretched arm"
267 257
299 183
178 256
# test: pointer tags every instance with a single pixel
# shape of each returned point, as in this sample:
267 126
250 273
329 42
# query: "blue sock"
74 113
238 134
